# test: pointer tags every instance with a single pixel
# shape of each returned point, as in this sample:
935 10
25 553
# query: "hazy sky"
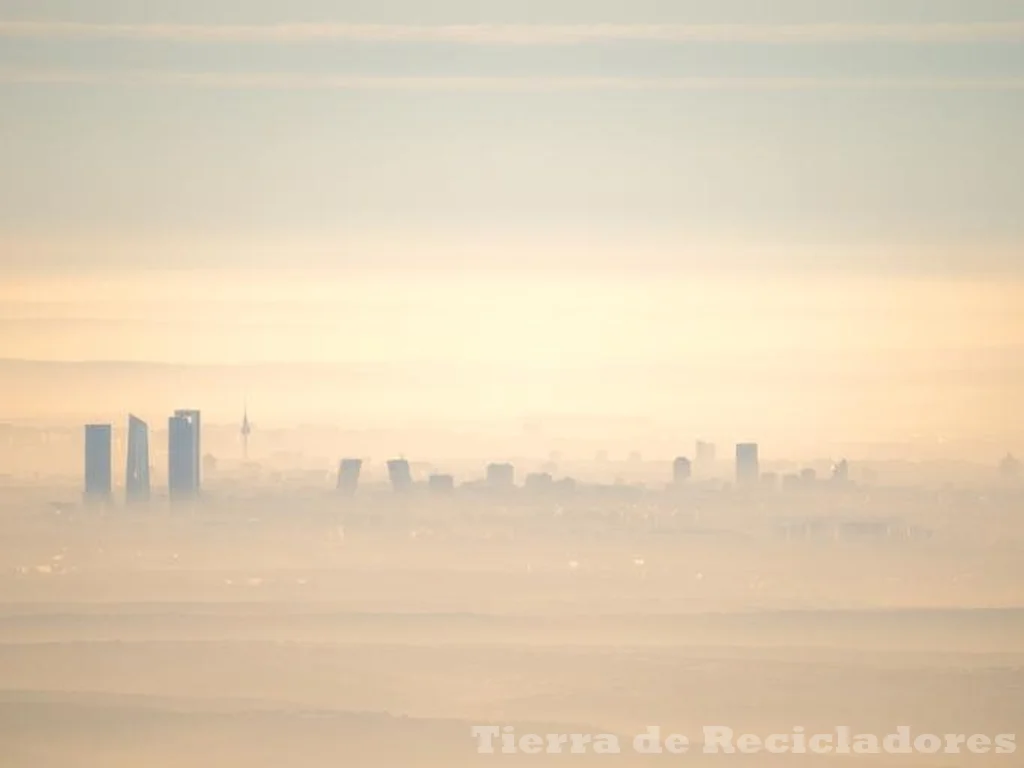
586 182
363 132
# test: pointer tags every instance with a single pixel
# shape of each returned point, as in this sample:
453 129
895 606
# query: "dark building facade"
195 419
183 460
348 475
400 475
98 464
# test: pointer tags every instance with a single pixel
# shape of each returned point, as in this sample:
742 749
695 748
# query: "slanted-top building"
400 475
136 475
348 475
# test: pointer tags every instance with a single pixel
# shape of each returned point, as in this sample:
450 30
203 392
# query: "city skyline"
377 374
725 214
185 461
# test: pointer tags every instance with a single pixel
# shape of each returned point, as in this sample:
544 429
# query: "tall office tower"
137 472
748 467
98 475
441 483
182 463
682 470
348 475
501 476
197 453
400 475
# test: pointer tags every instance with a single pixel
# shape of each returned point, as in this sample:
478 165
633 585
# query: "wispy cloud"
288 81
524 34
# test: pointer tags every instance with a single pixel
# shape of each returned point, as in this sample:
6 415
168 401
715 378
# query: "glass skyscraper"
183 457
98 479
137 469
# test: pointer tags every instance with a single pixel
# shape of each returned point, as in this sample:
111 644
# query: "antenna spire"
246 431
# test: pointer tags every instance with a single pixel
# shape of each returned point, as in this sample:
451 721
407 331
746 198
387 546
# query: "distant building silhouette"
348 475
1010 468
808 476
98 475
195 419
400 475
501 476
245 432
566 485
682 470
441 483
841 472
748 466
705 456
537 482
183 459
137 468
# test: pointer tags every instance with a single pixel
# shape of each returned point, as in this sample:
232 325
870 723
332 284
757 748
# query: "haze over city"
376 373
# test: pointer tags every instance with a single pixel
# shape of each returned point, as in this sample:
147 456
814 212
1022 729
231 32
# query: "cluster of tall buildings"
502 476
184 465
748 464
184 459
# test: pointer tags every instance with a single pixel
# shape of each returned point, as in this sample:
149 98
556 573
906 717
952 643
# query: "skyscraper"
400 475
197 454
137 470
98 480
748 467
348 475
183 460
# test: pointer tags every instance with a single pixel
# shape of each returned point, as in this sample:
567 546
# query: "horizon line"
512 84
524 34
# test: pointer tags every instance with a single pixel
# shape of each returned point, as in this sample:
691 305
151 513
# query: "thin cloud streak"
524 34
284 81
